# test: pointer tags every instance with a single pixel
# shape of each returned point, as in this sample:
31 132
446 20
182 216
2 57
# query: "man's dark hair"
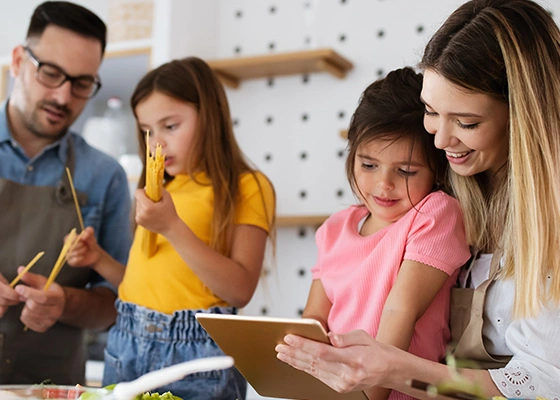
68 16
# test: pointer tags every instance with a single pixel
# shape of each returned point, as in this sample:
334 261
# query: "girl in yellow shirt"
212 225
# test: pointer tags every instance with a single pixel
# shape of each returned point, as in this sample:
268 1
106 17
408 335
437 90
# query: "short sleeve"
320 243
257 204
437 234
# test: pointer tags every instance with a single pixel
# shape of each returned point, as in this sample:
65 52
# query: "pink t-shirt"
358 272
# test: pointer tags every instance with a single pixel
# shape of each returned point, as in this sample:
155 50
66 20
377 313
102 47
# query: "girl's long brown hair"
215 151
390 110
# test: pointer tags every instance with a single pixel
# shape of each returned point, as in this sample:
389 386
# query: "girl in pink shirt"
387 264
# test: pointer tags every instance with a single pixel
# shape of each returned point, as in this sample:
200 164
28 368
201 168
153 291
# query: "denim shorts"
143 340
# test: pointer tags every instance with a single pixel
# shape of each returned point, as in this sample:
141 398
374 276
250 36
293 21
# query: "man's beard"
34 126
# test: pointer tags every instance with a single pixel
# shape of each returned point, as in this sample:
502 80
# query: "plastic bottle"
110 132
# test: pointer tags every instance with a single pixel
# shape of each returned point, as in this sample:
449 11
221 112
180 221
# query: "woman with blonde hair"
491 84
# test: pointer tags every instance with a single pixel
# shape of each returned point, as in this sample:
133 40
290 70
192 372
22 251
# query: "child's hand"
86 251
155 216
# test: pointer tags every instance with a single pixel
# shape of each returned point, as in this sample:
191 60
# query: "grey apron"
33 219
466 321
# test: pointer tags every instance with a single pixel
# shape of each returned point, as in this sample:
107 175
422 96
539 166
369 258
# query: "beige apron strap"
471 344
63 188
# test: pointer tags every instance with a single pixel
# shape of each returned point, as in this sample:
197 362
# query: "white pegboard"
289 126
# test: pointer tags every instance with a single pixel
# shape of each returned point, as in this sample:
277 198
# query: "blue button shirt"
95 173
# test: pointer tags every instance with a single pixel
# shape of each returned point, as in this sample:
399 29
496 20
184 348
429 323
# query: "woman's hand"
157 216
355 361
86 252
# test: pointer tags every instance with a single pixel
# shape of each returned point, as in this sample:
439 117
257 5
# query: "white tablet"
251 341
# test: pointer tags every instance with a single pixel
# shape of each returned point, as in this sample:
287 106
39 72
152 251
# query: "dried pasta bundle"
154 186
27 268
69 243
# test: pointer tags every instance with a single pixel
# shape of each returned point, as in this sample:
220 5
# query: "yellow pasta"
71 240
27 268
155 165
69 244
75 199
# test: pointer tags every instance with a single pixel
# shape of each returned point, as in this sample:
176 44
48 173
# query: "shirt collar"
4 128
6 135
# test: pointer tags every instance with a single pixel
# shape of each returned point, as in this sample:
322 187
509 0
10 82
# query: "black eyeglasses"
51 76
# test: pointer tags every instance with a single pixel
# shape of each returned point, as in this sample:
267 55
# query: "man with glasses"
55 73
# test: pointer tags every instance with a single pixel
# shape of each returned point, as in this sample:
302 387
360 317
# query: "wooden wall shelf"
232 71
300 220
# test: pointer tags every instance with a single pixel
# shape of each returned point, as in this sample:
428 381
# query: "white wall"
183 28
14 19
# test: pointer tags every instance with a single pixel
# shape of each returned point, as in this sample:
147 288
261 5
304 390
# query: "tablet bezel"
251 341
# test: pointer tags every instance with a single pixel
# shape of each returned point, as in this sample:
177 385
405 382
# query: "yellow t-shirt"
164 282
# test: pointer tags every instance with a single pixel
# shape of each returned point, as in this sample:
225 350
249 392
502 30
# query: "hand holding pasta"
86 251
43 307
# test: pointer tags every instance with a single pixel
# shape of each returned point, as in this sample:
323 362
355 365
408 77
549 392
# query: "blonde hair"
516 61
